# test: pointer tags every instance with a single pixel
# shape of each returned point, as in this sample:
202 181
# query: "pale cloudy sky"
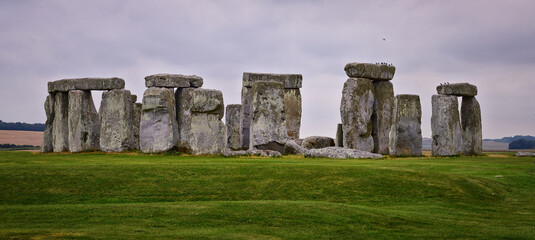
487 43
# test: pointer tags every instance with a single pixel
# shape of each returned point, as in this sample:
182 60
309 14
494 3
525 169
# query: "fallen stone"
173 81
471 126
84 122
231 153
264 153
339 136
445 126
268 119
288 80
457 89
292 108
316 142
48 143
370 71
60 126
158 126
292 147
406 134
66 85
340 153
356 110
116 131
382 115
525 154
232 120
245 117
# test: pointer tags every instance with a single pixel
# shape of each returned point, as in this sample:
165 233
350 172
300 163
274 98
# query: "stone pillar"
445 126
245 118
268 119
60 127
48 145
84 122
293 109
136 120
356 111
232 120
158 126
406 134
382 115
339 135
116 129
471 126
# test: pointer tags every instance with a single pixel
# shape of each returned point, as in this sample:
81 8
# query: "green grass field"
132 196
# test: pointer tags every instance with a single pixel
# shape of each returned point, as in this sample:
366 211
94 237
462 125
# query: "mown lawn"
129 196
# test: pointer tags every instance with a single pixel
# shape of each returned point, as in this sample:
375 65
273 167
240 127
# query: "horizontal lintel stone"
457 89
173 81
370 71
288 80
66 85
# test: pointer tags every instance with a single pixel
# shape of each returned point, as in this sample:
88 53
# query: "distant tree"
522 143
22 126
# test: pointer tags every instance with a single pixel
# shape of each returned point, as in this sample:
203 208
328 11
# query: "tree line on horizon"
38 127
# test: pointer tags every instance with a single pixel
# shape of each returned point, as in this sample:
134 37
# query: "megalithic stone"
116 131
356 110
445 126
60 128
245 117
48 145
339 136
471 126
232 120
268 119
406 134
382 115
292 108
84 122
158 125
136 122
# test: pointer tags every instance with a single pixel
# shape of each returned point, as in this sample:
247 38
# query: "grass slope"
120 196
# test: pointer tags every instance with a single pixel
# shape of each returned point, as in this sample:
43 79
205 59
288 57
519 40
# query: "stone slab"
471 126
356 110
293 109
66 85
84 122
316 142
48 144
445 126
232 120
340 153
405 137
116 127
60 128
158 127
173 81
382 115
457 89
370 71
245 117
339 136
288 80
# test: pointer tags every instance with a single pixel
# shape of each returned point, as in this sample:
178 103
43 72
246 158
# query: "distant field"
135 196
21 137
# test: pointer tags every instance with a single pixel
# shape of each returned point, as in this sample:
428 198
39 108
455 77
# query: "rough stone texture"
136 122
133 98
406 133
445 126
60 127
457 89
339 136
199 114
268 119
66 85
48 145
84 122
173 81
292 108
471 126
382 115
370 71
292 147
525 154
356 110
316 142
252 152
340 153
158 125
288 80
116 131
232 120
245 117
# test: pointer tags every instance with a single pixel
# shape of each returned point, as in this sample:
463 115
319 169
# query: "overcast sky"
490 44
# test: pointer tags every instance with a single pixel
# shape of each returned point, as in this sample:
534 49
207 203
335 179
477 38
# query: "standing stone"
232 119
136 121
292 108
268 119
48 145
116 131
158 126
406 134
60 128
471 126
84 122
356 111
382 115
245 117
339 136
445 126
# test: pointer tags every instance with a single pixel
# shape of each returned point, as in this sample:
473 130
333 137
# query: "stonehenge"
116 121
158 127
232 121
405 137
356 110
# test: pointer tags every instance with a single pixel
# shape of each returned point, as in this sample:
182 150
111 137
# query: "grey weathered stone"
339 136
60 127
356 110
116 131
200 128
370 71
232 120
48 141
84 122
525 154
288 80
471 126
445 126
457 89
231 153
66 85
315 142
340 153
292 108
158 125
292 147
245 117
406 134
173 81
136 122
382 115
133 98
268 119
264 153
